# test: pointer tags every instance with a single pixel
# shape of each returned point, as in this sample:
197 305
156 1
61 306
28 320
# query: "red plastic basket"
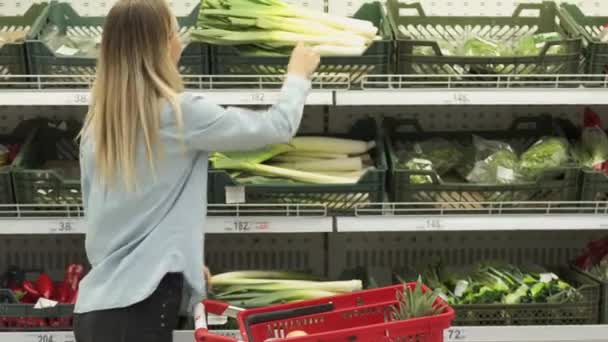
360 316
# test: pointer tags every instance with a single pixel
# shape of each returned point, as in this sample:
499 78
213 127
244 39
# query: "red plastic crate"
361 316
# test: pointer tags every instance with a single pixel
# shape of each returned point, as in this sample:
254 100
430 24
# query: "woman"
144 170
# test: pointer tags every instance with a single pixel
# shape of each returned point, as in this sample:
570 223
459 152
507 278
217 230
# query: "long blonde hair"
135 75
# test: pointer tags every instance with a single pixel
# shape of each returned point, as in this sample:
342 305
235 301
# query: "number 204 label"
49 337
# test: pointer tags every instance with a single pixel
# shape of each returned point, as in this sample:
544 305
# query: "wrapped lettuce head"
534 44
547 153
442 154
495 163
481 47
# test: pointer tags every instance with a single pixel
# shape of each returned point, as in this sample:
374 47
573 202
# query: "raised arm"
211 127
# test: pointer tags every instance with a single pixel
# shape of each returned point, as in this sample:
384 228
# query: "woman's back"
144 156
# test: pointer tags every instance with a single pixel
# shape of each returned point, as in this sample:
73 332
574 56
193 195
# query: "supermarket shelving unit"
370 234
299 236
475 334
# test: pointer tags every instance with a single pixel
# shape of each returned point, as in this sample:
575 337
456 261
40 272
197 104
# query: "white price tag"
504 174
63 227
80 99
216 319
433 224
228 333
49 337
255 98
461 99
548 277
455 334
246 226
44 303
67 51
429 224
461 287
235 194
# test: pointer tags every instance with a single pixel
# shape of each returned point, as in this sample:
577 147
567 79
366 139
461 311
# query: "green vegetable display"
484 161
506 284
474 45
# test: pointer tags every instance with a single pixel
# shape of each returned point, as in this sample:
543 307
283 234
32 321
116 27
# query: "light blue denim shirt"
135 238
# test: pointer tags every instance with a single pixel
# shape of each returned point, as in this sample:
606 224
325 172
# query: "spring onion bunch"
274 27
312 160
262 288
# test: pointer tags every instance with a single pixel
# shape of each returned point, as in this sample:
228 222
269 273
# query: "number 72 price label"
455 334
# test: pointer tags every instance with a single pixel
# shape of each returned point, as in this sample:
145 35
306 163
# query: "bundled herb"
414 303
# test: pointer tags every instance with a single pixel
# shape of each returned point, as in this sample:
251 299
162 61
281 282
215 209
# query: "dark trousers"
152 320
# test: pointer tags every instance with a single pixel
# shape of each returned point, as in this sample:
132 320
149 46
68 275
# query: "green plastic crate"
595 186
35 181
596 52
603 294
424 32
584 312
16 137
13 57
377 60
16 316
337 198
44 61
6 184
555 185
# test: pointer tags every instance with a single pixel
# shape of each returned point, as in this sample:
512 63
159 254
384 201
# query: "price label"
429 224
461 99
46 338
433 224
50 337
455 334
81 99
63 227
243 226
255 98
228 333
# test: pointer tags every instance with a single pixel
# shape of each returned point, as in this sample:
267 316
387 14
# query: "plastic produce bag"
533 45
594 143
495 162
71 45
547 153
437 154
417 164
481 47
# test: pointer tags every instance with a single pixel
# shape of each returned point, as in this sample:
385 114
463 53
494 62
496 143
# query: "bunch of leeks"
312 160
273 27
248 289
